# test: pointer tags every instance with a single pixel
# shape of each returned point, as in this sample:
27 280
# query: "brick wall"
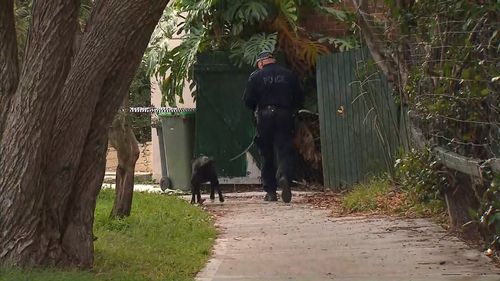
319 22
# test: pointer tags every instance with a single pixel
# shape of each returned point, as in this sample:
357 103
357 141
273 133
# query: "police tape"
160 110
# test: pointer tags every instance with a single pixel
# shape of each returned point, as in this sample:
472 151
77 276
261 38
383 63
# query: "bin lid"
183 112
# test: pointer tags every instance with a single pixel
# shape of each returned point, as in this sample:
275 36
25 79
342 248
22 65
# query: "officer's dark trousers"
275 131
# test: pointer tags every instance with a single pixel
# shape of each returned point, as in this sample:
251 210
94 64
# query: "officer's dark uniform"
274 94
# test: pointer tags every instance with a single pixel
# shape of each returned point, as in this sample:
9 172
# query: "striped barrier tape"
160 110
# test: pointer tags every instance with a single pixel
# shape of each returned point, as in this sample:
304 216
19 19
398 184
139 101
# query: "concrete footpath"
277 241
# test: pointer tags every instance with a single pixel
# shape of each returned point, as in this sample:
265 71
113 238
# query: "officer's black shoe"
286 191
271 196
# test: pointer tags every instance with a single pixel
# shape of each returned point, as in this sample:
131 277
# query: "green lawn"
165 238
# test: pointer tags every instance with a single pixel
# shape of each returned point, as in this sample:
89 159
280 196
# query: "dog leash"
244 151
253 140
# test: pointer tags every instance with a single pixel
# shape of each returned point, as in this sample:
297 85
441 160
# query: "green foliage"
364 197
453 92
288 8
140 95
84 12
241 12
206 25
381 195
450 88
331 7
342 44
488 215
158 45
240 27
246 52
22 13
418 175
165 238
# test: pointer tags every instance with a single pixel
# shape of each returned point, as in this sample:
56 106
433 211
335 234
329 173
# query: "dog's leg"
193 192
214 184
198 194
221 198
212 192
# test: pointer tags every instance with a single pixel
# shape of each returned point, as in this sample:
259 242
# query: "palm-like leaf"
342 44
288 8
158 45
246 28
258 43
179 62
237 53
254 11
246 52
239 13
340 14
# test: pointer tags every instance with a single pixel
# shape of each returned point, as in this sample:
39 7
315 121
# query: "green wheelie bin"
178 129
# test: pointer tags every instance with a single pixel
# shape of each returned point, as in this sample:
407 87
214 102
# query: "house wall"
156 101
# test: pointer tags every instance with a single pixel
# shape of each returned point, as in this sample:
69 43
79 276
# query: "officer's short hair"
264 55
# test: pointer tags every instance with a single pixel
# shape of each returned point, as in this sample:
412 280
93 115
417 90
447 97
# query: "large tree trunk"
27 224
54 141
9 67
122 138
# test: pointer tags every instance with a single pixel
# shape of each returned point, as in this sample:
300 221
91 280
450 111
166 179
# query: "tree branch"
393 66
372 40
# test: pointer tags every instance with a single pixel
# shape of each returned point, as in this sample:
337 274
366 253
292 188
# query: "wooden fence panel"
359 120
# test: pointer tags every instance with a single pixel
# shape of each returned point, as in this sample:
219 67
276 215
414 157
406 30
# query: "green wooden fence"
223 125
359 120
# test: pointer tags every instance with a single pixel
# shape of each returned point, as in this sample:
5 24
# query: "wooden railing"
469 166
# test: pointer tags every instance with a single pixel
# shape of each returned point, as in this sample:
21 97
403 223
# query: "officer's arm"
250 96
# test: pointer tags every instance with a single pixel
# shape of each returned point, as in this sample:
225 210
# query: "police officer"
273 94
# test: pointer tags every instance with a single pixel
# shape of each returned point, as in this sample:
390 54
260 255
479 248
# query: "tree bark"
26 226
9 66
54 143
122 138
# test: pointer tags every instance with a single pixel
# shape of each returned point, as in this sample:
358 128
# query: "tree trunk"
54 142
27 224
9 66
122 138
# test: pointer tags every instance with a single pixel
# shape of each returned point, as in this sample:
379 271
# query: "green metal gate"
359 120
223 124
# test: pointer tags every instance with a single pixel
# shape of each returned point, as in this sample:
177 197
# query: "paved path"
276 241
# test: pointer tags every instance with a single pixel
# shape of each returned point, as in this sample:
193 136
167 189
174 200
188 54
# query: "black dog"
203 170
